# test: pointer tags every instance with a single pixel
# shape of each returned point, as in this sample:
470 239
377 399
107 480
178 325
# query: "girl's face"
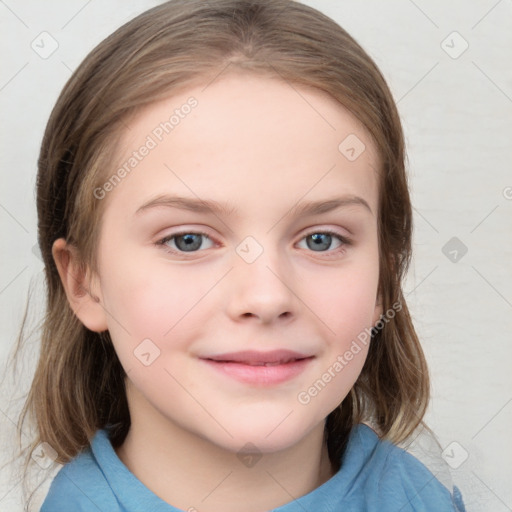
234 309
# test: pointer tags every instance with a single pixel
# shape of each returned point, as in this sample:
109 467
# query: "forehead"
244 137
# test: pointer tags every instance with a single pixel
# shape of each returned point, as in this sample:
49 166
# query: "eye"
192 241
186 241
321 241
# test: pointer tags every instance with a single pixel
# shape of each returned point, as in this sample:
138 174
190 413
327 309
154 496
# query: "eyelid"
198 231
166 238
328 231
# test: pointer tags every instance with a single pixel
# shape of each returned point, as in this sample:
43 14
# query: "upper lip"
254 357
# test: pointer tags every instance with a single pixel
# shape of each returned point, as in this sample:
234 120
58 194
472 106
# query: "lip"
260 368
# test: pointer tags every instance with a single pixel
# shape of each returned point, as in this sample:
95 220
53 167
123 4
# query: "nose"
262 291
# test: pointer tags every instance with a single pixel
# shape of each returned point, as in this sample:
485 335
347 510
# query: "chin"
270 435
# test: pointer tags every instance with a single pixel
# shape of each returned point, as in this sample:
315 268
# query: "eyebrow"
223 208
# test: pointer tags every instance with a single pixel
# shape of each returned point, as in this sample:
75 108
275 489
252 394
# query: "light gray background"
457 115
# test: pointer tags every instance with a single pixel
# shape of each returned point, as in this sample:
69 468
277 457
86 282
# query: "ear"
82 289
379 310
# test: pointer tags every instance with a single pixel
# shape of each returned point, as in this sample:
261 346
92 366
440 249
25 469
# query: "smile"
260 368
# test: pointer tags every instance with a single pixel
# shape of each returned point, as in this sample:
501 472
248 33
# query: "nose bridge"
261 278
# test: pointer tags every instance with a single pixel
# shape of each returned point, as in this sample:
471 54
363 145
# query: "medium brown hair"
78 385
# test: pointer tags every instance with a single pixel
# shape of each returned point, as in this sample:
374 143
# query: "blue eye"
185 242
192 241
320 241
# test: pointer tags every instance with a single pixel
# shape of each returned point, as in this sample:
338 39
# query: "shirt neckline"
136 497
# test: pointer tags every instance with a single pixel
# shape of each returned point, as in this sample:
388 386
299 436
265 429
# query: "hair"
79 383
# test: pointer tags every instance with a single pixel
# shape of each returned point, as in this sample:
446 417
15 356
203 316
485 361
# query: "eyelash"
343 239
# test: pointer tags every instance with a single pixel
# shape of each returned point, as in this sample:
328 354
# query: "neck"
190 473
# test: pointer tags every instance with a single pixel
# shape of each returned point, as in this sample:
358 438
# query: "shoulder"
81 486
394 478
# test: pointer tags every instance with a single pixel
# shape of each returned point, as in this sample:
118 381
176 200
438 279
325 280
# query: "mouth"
260 368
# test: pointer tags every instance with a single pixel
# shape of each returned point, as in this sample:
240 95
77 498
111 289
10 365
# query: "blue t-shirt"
376 476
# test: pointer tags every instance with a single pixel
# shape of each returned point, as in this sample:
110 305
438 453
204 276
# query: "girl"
225 224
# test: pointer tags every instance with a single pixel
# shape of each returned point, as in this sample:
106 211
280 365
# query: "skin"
261 146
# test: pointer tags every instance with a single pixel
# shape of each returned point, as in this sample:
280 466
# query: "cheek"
346 312
152 302
345 299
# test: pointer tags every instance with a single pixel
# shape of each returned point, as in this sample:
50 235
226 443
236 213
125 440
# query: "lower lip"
260 375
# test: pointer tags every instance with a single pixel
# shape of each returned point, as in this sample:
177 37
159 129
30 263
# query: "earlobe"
82 290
